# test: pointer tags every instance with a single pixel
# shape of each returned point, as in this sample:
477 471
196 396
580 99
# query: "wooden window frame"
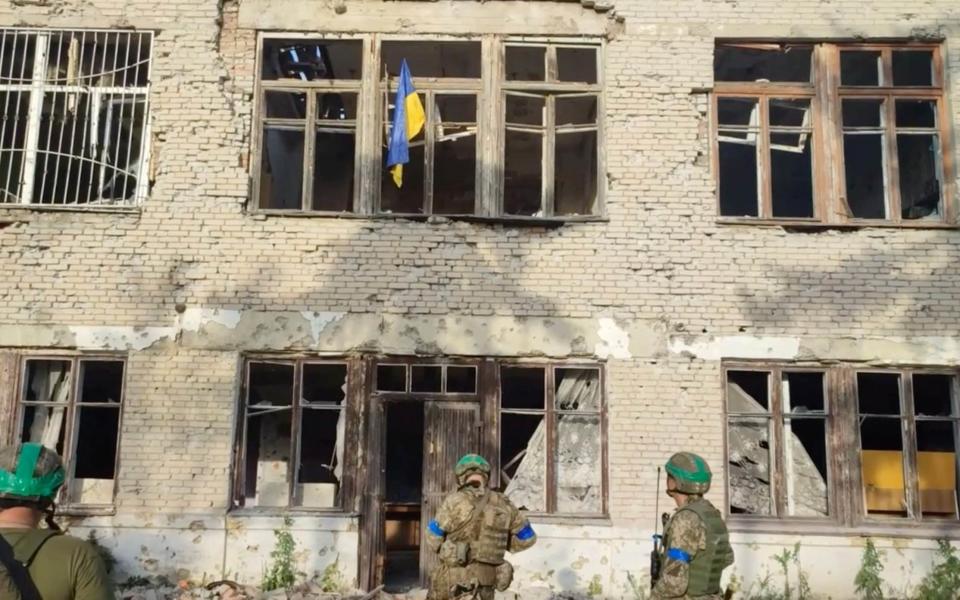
551 414
350 407
429 88
72 420
826 94
550 89
776 417
908 424
846 495
372 121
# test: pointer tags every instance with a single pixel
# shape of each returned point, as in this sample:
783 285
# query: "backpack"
15 580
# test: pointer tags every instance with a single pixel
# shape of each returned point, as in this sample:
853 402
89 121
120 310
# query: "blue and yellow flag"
408 120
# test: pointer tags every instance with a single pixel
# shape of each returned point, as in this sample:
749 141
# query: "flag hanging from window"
408 120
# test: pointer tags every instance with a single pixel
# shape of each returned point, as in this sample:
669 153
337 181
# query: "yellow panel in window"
937 470
882 469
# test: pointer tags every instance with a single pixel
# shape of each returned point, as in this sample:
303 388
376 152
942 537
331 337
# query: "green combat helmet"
29 473
691 473
471 463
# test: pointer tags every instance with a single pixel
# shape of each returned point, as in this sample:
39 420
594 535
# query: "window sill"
549 519
818 225
77 510
290 512
827 528
518 220
10 208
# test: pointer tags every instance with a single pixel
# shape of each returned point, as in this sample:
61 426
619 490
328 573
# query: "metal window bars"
73 116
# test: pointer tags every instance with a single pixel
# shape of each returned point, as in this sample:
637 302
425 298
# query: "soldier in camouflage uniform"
473 529
696 546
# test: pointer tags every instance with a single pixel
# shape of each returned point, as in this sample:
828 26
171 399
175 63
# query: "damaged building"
625 229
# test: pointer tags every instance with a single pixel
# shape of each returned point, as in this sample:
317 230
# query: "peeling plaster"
193 319
736 346
614 341
88 337
319 321
455 335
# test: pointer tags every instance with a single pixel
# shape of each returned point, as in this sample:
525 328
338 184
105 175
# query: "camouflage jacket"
689 534
455 524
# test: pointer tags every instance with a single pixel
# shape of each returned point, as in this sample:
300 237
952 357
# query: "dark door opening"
403 495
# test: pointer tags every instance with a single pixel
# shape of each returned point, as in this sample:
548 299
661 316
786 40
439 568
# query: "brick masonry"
661 259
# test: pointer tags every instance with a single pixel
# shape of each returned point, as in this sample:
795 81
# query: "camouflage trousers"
457 583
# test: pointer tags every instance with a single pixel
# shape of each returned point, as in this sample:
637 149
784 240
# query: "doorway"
403 495
423 439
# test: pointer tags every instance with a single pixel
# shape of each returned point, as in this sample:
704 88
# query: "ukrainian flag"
408 120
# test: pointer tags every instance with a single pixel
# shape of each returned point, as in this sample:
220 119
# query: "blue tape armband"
434 528
678 555
526 533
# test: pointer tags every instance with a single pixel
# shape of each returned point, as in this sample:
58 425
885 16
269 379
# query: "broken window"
74 116
551 438
73 406
777 443
426 378
763 63
908 433
308 112
765 157
441 177
551 138
769 103
877 444
319 102
293 434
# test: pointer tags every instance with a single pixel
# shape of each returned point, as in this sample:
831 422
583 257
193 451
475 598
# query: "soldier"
696 546
473 529
41 564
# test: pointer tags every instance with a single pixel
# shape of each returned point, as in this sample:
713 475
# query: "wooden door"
450 430
371 521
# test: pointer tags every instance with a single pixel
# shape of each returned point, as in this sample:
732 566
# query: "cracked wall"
660 291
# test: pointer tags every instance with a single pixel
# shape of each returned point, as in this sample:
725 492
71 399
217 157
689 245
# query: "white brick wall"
661 257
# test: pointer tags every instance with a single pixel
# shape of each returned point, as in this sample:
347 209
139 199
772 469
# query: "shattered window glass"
749 443
774 122
579 452
762 63
573 409
881 443
805 443
92 420
308 141
937 425
282 470
523 459
738 134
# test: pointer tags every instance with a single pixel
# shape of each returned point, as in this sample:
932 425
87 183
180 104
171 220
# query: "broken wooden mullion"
849 492
946 151
765 190
70 427
492 123
550 442
911 481
604 476
429 151
892 162
295 415
775 417
309 143
549 141
369 142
